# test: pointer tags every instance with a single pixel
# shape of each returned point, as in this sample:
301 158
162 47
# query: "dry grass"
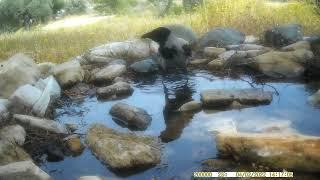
249 16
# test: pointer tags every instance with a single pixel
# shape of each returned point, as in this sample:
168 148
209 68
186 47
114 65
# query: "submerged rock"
25 170
221 37
131 116
123 150
145 66
191 106
68 73
74 144
284 35
17 71
213 52
276 150
45 124
115 91
221 98
109 73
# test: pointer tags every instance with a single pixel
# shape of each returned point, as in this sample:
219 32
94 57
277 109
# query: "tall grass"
249 16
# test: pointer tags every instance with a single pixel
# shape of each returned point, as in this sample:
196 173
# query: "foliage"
75 6
114 6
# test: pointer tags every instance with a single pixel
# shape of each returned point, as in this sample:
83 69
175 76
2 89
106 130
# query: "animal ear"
159 35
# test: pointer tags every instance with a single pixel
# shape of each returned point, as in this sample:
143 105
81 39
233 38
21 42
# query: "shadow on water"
186 137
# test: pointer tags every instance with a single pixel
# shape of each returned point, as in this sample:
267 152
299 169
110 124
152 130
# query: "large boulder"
184 32
221 37
129 50
109 73
123 150
115 91
284 35
277 64
131 116
145 66
17 71
68 73
44 124
290 151
25 170
221 98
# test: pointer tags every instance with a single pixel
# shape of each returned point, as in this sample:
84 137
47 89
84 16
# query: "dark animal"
175 52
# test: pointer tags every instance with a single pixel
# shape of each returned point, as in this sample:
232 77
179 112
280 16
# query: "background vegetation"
132 18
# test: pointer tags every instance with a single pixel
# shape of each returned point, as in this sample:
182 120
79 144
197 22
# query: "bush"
75 6
114 6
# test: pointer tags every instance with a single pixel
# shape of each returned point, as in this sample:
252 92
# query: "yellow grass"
249 16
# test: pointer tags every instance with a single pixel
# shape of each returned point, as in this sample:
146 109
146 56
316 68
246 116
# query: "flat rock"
276 150
216 64
145 66
245 47
15 72
68 73
115 91
45 124
213 52
221 98
131 116
25 170
191 106
109 73
123 150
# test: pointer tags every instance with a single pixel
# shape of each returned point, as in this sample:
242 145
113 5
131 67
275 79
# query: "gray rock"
284 35
213 52
131 116
251 40
315 98
14 133
97 59
68 73
117 90
191 106
118 61
145 66
216 64
196 62
221 98
298 45
123 151
221 37
46 68
245 47
230 55
109 73
184 32
17 71
25 170
11 152
41 123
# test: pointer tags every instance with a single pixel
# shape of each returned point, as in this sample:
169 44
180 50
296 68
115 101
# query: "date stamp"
244 174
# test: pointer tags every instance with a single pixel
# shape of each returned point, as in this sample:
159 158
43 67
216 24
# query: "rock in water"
145 66
221 37
221 98
131 116
74 144
109 73
25 170
123 151
277 150
68 73
284 35
115 91
17 71
44 124
191 106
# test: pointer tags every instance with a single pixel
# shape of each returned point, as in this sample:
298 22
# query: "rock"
54 153
233 55
282 64
46 68
129 50
119 79
74 144
221 37
11 152
184 32
17 71
49 86
115 91
119 62
123 151
131 116
251 40
213 52
284 35
221 98
298 45
68 73
91 178
191 106
4 112
197 62
45 124
145 66
276 150
25 170
13 133
254 53
108 73
245 47
315 98
216 64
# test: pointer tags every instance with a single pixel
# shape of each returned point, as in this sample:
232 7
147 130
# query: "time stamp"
243 174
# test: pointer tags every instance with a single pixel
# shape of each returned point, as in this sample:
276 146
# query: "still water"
186 137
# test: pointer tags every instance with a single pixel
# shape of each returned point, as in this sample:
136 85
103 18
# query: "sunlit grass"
249 16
